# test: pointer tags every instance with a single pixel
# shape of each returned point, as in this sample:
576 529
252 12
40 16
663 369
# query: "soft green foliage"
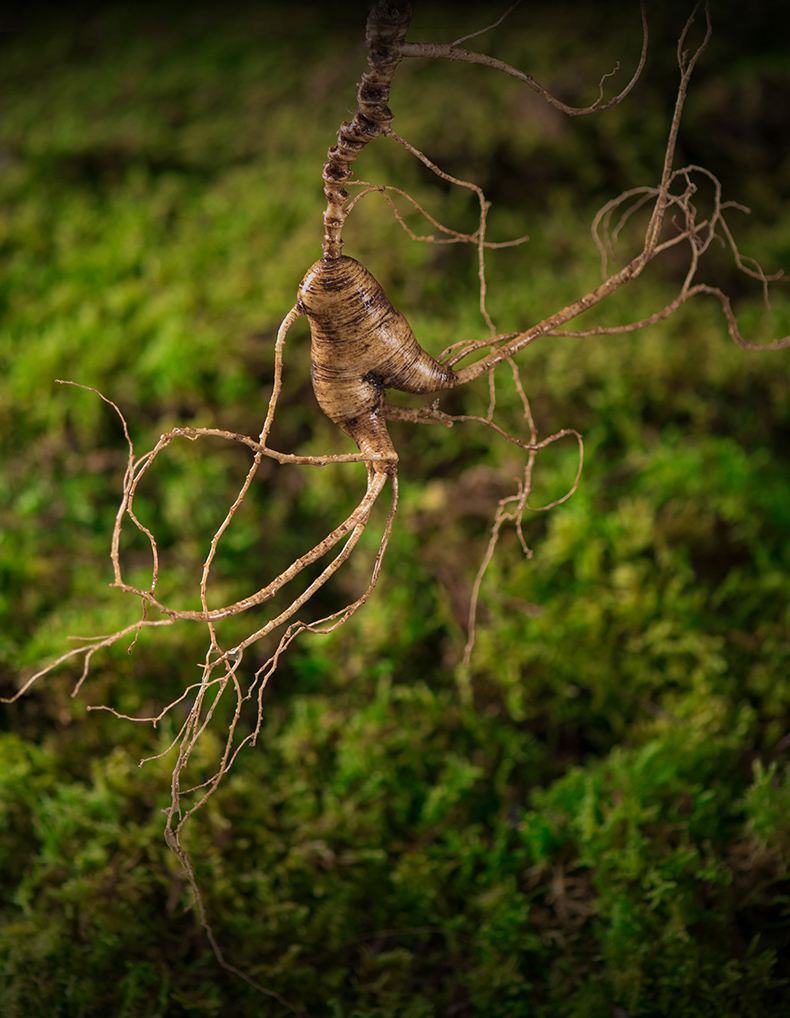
593 818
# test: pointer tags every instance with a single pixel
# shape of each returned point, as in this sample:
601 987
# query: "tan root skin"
361 345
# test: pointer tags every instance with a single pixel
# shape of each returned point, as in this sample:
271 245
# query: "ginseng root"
362 347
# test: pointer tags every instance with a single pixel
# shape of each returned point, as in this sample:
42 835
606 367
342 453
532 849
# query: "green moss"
590 819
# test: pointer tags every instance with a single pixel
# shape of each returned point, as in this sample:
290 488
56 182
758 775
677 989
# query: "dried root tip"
361 346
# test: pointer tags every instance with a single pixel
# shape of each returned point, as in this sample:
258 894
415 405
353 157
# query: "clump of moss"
594 817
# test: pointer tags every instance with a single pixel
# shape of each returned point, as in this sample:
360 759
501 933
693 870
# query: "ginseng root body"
361 345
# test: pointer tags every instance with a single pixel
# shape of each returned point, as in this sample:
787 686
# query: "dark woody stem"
384 33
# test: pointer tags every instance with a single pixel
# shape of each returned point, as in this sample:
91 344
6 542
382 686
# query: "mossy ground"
594 818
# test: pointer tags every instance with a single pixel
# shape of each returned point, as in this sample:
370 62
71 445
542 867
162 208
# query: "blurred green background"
594 819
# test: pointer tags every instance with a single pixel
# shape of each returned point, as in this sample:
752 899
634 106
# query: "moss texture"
593 819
